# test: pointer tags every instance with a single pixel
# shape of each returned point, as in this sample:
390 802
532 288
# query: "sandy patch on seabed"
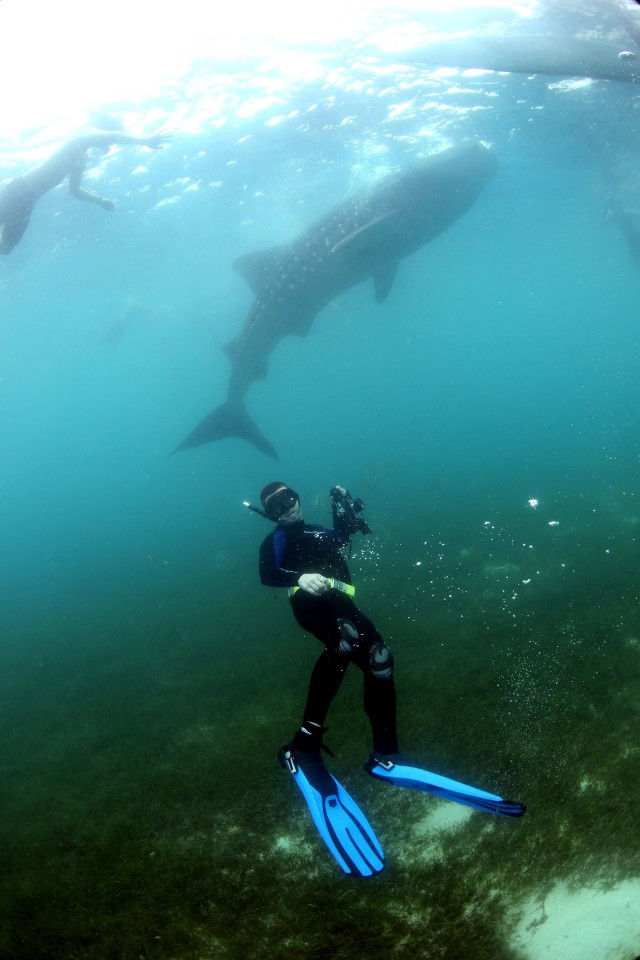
585 924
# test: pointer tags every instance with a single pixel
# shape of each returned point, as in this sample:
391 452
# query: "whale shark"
595 39
536 53
364 238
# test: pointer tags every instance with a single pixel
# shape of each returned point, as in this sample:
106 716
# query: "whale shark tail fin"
227 420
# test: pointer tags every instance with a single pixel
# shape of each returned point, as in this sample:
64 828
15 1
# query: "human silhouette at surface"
19 196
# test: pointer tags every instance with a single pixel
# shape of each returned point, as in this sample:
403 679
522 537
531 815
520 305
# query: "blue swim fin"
401 773
340 822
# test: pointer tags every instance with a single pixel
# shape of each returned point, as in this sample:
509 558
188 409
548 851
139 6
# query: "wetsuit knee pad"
381 661
349 638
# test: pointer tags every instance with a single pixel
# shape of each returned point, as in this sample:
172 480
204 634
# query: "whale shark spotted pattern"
365 237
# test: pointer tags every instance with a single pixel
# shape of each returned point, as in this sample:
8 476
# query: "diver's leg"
380 707
12 232
325 619
376 662
325 681
16 206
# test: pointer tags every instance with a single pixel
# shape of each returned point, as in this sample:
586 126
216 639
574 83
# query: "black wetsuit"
348 636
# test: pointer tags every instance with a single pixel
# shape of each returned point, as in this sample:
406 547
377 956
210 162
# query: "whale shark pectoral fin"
227 420
301 324
383 277
231 348
258 267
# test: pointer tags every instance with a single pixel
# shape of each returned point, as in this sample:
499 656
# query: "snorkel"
250 506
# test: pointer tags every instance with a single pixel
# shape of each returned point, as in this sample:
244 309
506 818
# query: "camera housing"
347 508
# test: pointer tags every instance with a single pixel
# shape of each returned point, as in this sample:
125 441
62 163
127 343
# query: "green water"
146 678
145 815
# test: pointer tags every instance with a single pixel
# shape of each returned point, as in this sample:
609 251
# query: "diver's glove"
314 583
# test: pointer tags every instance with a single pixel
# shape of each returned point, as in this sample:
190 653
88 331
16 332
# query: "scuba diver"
308 561
19 196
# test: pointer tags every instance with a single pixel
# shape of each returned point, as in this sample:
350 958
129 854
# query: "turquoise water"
147 678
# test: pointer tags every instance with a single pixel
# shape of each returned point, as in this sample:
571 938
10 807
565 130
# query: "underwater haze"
487 412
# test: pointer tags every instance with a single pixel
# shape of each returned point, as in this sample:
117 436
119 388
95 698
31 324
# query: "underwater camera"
344 505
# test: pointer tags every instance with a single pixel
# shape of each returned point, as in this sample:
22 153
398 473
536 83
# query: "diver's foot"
386 760
308 738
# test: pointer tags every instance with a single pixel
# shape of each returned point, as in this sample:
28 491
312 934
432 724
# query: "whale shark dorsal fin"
258 267
383 277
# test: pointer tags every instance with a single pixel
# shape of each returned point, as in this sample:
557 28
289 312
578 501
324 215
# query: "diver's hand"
314 583
106 204
156 140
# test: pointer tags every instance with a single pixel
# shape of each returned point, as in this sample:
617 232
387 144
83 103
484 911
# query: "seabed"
145 814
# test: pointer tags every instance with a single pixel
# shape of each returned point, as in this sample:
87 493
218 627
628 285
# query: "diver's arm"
271 573
77 191
113 138
155 141
76 171
102 138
